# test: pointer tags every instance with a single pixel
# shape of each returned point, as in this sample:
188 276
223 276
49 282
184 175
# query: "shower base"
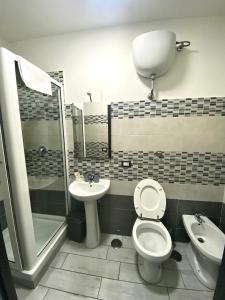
45 227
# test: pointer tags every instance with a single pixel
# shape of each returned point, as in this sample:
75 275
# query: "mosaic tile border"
97 149
57 75
68 111
38 106
95 119
189 107
174 167
51 164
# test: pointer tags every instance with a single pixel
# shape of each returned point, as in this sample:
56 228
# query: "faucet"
91 178
199 218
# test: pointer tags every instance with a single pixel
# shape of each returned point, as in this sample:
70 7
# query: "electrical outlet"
126 164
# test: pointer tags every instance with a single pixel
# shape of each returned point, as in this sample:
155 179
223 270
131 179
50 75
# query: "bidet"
205 249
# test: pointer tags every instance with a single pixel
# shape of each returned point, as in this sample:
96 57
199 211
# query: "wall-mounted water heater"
154 53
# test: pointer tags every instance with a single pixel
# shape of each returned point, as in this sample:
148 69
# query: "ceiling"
24 19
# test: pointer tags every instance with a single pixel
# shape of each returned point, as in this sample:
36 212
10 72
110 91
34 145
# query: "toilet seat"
152 240
149 199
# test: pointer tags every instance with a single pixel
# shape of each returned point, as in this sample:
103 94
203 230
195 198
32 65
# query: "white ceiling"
24 19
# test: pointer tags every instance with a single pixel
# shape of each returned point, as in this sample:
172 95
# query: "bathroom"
95 96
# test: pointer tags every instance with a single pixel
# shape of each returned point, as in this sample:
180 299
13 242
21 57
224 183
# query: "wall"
100 61
3 43
189 133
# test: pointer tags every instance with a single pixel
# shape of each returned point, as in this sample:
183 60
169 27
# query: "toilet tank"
154 52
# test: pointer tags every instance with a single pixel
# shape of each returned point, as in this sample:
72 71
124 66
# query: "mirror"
92 130
78 134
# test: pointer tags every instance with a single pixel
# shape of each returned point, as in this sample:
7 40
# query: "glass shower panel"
5 232
42 136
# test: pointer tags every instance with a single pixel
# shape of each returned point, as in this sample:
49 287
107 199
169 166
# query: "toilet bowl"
205 249
151 239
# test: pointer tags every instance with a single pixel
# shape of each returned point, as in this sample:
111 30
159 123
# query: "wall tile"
117 215
188 107
173 167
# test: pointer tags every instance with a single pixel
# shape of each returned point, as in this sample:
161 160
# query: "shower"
33 168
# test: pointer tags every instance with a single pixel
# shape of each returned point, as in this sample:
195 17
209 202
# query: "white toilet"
151 239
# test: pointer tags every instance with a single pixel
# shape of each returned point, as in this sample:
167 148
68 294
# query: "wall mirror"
92 130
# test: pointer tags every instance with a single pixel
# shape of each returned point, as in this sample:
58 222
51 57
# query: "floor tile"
114 290
92 266
171 278
31 294
122 255
107 238
71 282
128 242
171 264
54 294
80 249
129 272
192 282
180 247
59 260
178 294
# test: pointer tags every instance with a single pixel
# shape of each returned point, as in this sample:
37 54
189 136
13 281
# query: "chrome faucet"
199 218
88 177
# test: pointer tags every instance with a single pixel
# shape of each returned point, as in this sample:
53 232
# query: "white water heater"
154 53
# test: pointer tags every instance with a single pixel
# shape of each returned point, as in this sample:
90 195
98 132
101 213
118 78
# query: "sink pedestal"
89 193
92 224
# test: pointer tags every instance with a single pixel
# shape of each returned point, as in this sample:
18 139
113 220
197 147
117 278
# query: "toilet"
151 239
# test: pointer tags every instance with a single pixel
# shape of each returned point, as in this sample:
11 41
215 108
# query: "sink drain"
201 240
116 243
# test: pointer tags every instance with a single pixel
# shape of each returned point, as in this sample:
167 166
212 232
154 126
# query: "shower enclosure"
33 187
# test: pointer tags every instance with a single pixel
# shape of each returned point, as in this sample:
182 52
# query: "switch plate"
126 164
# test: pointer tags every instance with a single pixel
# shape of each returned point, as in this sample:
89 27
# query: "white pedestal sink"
89 193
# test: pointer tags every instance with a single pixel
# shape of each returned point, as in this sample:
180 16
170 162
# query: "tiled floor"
78 273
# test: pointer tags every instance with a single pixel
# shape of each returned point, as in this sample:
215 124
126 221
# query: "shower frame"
27 267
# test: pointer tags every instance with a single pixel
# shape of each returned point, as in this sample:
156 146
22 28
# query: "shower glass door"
6 211
41 118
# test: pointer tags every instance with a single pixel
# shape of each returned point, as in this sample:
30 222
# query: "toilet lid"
149 199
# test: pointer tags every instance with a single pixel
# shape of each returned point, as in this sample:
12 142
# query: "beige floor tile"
54 294
129 272
182 265
71 282
31 294
81 249
122 255
192 282
128 242
171 278
120 290
92 266
59 260
180 294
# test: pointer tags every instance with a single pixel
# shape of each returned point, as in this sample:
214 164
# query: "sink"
85 191
89 193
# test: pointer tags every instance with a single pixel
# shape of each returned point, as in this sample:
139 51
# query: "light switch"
126 164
